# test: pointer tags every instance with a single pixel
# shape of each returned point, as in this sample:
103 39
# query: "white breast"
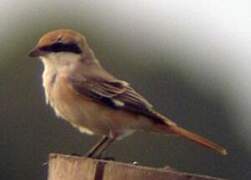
54 64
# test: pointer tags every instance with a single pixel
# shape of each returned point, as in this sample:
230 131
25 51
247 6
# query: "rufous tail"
198 139
171 127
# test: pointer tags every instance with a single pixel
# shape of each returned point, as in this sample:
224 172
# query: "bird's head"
61 40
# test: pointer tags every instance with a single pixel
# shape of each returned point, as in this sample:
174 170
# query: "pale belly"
92 117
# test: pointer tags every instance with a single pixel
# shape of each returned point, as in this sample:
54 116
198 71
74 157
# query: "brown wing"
114 93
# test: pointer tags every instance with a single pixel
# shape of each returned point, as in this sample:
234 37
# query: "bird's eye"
61 47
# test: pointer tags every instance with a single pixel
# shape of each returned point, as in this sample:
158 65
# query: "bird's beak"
35 52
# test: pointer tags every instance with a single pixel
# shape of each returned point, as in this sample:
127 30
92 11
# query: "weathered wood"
65 167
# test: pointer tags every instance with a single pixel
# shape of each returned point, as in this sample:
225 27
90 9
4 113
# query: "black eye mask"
60 47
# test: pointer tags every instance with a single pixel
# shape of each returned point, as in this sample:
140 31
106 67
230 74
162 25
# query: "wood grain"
66 167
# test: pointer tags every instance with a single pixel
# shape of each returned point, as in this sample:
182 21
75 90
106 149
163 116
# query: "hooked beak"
35 52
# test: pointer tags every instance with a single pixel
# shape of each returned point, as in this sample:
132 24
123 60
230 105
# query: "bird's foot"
76 154
108 158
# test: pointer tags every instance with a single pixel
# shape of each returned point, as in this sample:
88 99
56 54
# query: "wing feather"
114 93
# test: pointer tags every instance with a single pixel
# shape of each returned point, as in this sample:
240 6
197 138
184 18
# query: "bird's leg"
95 148
99 151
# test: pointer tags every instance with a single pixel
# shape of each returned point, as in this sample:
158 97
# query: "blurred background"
191 59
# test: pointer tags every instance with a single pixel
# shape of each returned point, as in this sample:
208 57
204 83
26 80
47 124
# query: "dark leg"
95 148
99 151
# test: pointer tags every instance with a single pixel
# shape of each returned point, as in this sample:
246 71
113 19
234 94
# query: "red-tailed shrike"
83 93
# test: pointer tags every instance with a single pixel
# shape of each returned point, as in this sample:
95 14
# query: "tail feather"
198 139
171 127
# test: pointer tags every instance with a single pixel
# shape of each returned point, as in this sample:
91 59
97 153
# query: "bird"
82 92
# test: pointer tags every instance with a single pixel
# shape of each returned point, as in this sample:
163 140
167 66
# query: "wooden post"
66 167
